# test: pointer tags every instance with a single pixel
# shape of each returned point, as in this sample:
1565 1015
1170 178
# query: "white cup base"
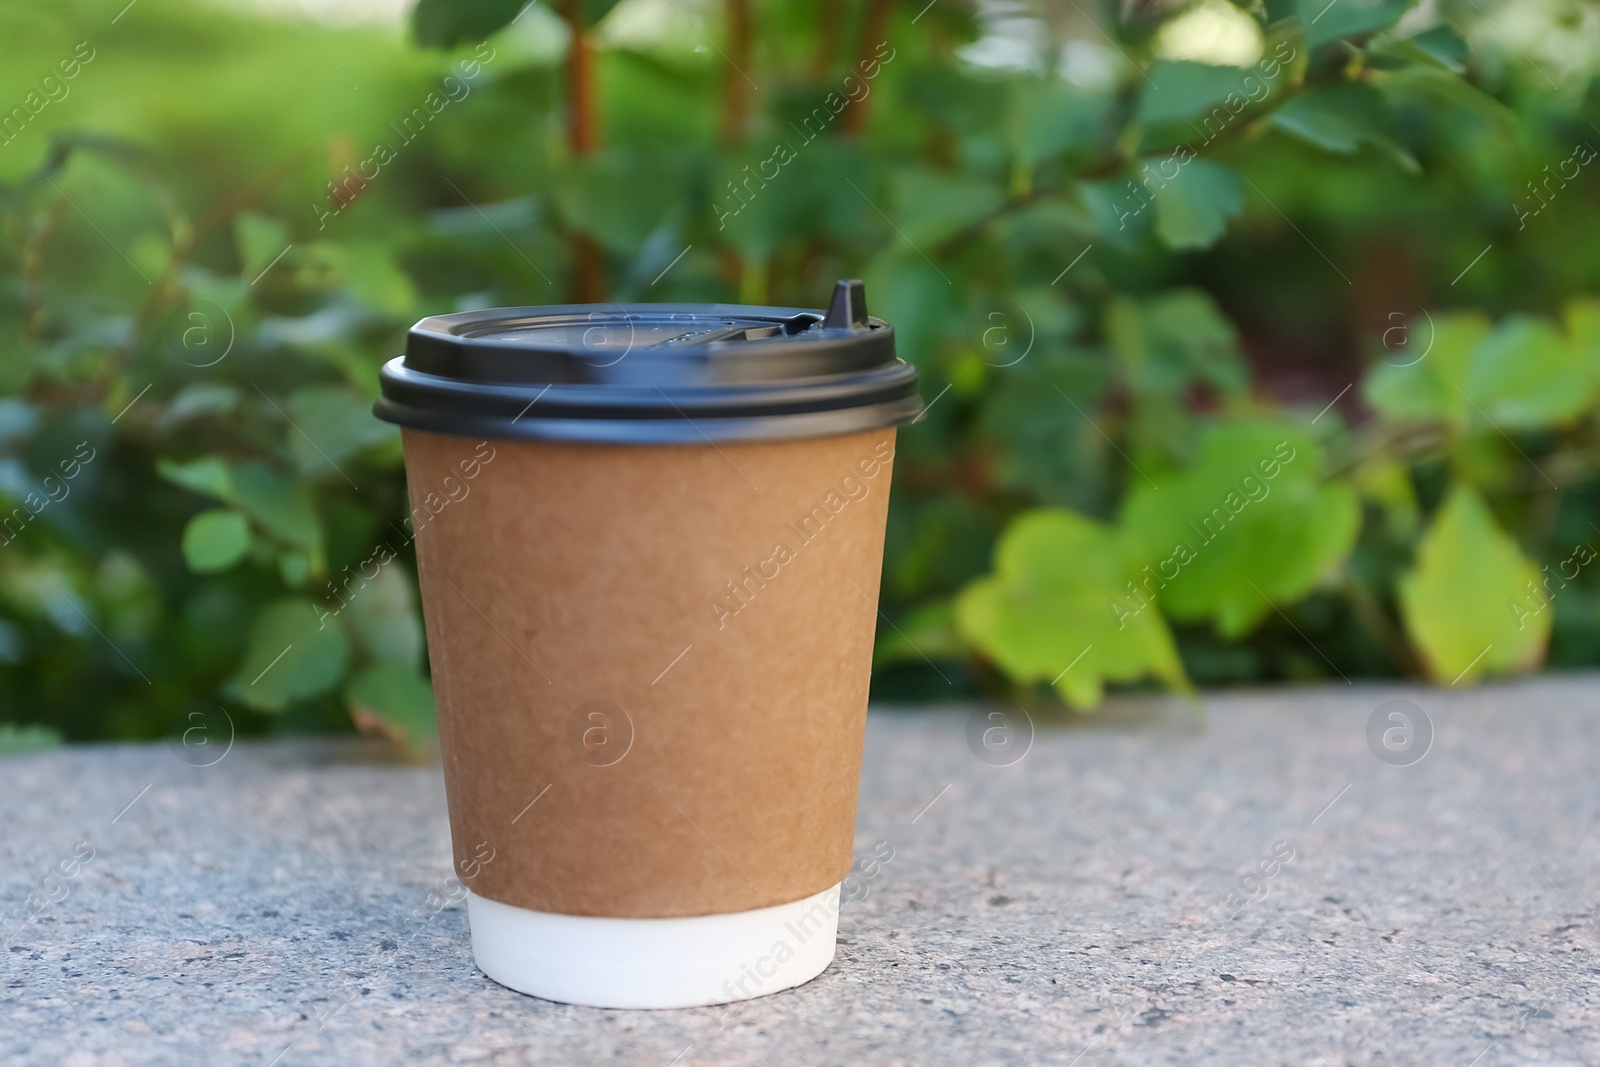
654 963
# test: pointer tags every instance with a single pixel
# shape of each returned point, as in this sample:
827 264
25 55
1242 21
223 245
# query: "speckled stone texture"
1071 908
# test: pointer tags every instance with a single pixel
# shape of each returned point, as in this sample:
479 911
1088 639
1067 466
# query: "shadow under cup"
649 539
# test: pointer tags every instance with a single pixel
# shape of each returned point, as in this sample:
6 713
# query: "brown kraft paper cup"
650 608
651 663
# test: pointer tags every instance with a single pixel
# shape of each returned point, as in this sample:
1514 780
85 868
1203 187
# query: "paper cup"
651 653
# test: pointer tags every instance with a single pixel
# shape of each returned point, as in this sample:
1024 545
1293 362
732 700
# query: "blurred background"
1260 339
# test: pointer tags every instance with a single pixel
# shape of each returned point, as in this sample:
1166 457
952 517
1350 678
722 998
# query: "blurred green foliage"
1256 335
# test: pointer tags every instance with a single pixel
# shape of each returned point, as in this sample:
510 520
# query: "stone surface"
1071 908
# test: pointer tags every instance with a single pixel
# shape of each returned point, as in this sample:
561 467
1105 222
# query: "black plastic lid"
651 373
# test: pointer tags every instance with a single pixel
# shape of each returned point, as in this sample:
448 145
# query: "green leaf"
1050 117
1441 85
1521 375
1338 118
294 650
372 276
1324 21
1192 210
260 238
215 540
930 206
603 196
1117 211
1423 368
1250 526
1169 341
1581 316
1057 609
1473 603
910 292
282 506
1582 319
755 228
1527 376
1445 46
208 476
1179 89
447 23
294 568
335 424
18 740
394 702
382 612
197 401
592 11
1162 428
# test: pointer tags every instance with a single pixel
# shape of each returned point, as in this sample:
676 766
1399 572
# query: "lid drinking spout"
849 306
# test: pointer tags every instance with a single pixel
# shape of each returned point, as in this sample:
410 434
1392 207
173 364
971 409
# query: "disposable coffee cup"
649 539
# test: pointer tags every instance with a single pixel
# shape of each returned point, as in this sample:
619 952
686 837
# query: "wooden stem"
873 29
735 87
830 24
583 133
583 137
